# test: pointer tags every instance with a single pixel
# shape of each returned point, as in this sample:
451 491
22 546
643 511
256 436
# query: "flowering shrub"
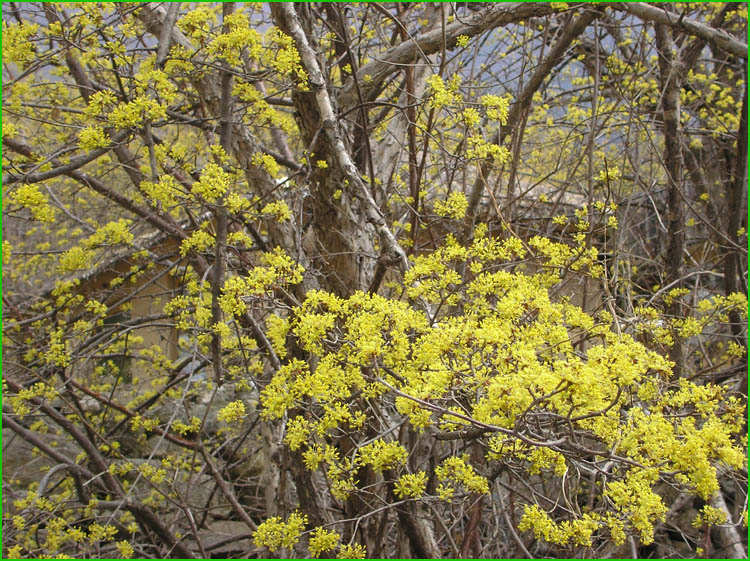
324 280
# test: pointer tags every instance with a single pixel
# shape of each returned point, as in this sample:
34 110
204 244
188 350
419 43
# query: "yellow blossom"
232 412
322 540
91 138
29 196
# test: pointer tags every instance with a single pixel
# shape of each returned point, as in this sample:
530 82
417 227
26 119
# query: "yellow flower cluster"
9 129
496 107
98 533
178 61
266 162
297 432
259 111
471 117
279 210
544 458
433 276
29 196
455 470
164 192
356 551
578 531
200 240
38 390
17 43
276 331
231 301
92 137
153 474
462 41
111 233
709 516
213 183
444 95
508 345
274 533
635 498
609 174
196 23
322 540
411 485
75 259
577 258
454 206
183 428
157 81
100 103
137 112
285 59
230 45
277 270
138 422
126 550
722 102
232 412
479 148
383 455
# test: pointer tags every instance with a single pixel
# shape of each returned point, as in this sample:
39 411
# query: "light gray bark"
716 37
334 139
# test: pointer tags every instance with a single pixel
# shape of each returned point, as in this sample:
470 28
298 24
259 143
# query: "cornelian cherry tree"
374 280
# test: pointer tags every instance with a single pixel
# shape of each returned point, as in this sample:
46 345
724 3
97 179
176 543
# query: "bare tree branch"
165 39
432 41
730 537
220 213
573 29
73 164
716 37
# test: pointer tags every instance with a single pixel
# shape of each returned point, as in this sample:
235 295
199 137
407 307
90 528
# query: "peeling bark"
358 205
670 104
736 195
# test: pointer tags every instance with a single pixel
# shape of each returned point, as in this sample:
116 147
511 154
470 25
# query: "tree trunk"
670 103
